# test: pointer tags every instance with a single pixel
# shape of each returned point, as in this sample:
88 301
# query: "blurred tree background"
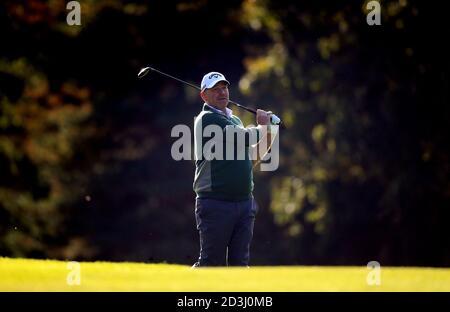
86 171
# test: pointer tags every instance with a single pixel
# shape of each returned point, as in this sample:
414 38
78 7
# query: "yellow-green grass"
50 275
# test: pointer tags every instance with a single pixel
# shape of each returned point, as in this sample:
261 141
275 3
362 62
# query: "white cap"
210 80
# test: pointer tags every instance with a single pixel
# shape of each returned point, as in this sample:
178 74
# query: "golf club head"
144 71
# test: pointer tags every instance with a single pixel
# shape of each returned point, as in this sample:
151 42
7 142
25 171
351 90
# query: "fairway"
50 275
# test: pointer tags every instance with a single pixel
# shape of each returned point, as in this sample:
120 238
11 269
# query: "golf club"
144 71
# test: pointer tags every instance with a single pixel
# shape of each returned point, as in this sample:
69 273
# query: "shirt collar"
228 113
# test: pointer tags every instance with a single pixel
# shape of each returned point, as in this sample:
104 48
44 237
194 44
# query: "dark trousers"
226 230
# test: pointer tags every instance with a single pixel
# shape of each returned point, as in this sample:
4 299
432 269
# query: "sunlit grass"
49 275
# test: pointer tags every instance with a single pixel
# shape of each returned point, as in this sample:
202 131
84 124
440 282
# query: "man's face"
217 96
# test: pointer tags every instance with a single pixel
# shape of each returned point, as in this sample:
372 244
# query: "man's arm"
260 149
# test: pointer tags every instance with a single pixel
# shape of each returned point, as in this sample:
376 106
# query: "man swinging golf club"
225 209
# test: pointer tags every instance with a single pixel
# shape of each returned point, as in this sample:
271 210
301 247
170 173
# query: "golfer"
224 208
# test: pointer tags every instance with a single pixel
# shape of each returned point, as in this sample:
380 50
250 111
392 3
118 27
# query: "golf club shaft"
251 110
145 70
248 109
177 79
